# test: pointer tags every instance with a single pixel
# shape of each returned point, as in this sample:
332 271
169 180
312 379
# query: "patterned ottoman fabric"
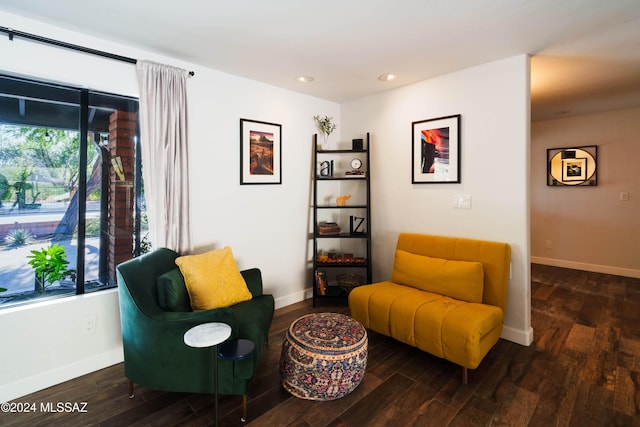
324 356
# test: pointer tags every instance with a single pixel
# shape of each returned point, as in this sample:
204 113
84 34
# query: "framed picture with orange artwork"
260 152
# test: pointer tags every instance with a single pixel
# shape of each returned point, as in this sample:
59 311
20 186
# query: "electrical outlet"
624 196
548 244
90 324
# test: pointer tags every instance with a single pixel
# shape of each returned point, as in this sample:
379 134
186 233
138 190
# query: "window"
70 189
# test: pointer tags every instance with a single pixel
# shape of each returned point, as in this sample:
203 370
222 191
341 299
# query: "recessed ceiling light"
304 79
387 77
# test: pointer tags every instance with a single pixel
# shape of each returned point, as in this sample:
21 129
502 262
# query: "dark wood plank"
591 310
516 409
367 409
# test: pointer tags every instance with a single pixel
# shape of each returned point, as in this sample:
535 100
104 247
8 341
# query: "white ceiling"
586 53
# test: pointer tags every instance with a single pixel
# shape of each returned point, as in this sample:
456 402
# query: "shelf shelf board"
342 236
332 292
343 207
342 178
321 151
320 265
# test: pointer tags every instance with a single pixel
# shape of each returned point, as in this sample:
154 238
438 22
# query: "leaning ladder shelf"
328 267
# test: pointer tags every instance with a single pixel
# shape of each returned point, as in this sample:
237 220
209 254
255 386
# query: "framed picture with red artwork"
435 152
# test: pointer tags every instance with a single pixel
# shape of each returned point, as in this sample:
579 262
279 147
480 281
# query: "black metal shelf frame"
366 237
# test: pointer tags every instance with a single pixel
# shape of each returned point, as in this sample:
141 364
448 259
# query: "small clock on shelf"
356 164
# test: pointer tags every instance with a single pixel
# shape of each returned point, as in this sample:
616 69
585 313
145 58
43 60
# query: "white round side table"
209 335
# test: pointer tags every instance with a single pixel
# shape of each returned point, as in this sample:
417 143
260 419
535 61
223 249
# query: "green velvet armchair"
155 314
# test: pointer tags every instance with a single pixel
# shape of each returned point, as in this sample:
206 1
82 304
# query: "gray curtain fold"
165 161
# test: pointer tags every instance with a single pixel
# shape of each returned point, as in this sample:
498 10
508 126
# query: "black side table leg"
215 380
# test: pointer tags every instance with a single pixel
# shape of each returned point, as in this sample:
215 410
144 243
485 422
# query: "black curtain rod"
15 33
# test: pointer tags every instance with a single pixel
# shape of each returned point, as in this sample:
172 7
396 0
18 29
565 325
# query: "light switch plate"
461 201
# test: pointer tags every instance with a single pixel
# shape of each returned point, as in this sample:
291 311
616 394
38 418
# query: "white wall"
266 225
45 343
589 228
493 100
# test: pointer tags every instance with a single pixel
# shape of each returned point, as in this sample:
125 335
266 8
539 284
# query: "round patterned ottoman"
324 356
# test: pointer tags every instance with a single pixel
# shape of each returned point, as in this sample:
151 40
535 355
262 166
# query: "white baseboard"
59 375
595 268
293 298
517 336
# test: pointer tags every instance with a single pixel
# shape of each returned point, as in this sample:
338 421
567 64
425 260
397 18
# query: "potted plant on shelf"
325 126
50 266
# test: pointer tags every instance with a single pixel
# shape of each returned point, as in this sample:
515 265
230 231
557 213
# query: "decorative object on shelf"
435 155
342 200
333 257
348 281
357 144
356 225
260 152
322 257
575 166
340 260
356 164
325 126
326 168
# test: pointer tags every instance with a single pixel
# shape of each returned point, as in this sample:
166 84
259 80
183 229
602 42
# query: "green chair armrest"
189 319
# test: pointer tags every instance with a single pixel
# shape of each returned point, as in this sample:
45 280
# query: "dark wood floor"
582 370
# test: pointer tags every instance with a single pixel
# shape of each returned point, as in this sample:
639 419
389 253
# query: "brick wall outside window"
122 134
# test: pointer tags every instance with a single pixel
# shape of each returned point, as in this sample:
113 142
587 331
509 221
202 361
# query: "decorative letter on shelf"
356 225
326 168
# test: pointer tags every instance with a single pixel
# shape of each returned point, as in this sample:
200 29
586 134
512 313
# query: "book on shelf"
321 282
328 229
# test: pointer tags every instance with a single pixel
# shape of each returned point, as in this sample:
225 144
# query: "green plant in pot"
325 126
50 266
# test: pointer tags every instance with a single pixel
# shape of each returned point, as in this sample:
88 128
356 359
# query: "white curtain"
163 141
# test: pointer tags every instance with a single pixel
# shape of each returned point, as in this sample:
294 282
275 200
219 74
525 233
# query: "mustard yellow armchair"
446 296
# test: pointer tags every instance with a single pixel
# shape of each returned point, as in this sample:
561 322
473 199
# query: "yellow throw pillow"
462 280
213 279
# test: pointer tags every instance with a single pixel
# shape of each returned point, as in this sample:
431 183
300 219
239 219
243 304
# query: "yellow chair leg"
465 376
244 408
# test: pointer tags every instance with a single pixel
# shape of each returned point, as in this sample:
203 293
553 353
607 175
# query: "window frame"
40 90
